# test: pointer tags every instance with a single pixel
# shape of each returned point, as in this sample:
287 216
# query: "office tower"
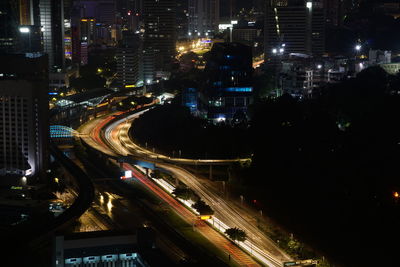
8 25
23 114
332 8
203 17
182 19
299 25
29 30
52 22
227 11
29 39
88 30
106 12
159 46
128 60
228 90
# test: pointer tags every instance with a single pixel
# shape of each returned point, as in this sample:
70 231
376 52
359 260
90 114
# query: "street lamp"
278 51
358 47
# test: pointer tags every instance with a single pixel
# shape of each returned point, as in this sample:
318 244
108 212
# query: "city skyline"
199 132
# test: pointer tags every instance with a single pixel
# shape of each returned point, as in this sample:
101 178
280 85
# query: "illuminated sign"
239 89
24 30
128 174
205 217
130 86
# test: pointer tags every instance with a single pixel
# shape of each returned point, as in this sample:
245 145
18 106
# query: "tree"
156 174
236 234
202 208
184 193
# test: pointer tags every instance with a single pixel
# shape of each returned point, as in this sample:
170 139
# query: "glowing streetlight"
109 205
274 51
358 47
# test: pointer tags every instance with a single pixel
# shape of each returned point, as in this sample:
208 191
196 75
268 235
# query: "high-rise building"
128 60
9 25
228 90
182 19
29 39
159 46
299 25
52 22
88 30
203 17
20 26
23 114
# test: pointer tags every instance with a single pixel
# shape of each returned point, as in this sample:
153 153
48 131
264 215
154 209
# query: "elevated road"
108 143
267 251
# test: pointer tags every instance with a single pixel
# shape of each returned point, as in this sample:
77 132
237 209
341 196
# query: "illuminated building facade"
9 26
203 17
52 22
298 24
229 89
23 114
159 47
128 60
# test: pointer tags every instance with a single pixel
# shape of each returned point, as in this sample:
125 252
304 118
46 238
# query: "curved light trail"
93 131
258 244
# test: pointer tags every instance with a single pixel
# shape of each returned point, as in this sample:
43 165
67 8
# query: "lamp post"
357 48
277 53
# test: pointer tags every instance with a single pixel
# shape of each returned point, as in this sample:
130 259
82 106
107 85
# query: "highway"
268 252
120 128
91 134
114 209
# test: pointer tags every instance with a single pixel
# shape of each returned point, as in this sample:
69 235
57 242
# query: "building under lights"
52 22
23 114
127 55
159 44
203 17
228 91
97 249
108 248
299 24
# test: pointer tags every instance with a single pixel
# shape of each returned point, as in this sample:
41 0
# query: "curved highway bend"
118 142
92 136
258 242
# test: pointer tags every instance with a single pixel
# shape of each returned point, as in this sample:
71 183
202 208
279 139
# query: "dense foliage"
236 234
172 130
328 167
201 207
